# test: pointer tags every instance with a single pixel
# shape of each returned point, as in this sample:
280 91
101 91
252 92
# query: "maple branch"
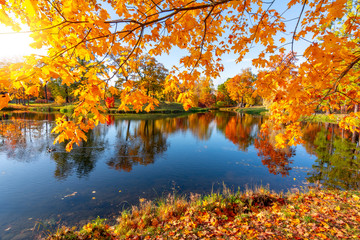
111 46
334 89
157 6
352 99
175 21
353 21
342 75
289 20
297 24
73 47
261 21
36 30
173 11
203 38
57 10
129 55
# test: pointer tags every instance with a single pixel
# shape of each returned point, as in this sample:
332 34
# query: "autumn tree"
204 93
206 30
241 89
147 74
222 95
152 76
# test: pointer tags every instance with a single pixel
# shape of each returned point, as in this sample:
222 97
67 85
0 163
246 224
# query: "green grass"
253 110
163 108
247 110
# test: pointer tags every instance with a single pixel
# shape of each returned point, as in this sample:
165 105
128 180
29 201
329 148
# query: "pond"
127 159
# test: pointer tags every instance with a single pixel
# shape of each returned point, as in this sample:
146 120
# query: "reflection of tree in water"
240 130
338 162
310 131
144 142
23 135
277 160
140 145
243 131
81 159
199 125
221 119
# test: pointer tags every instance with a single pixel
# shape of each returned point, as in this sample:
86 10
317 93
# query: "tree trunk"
353 138
67 94
45 91
343 109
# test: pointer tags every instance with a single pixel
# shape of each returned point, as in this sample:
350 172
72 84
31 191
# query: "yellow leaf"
355 197
4 100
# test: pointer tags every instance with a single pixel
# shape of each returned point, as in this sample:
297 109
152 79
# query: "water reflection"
241 130
20 132
82 160
277 160
142 142
338 163
125 160
141 146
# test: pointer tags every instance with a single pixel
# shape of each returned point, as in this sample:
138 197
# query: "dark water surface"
130 159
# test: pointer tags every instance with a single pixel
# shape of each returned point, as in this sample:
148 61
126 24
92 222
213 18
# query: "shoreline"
165 109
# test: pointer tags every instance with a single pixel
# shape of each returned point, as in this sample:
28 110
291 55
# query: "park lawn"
247 110
253 110
260 214
163 108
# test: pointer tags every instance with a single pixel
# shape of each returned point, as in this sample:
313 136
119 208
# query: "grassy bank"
253 110
260 214
247 110
163 108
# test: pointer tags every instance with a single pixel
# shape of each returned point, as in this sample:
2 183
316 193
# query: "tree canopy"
326 78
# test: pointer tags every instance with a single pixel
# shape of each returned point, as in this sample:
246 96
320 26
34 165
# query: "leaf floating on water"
93 197
70 195
93 191
119 190
7 229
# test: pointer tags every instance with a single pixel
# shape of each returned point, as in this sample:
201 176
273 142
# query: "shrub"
59 100
220 104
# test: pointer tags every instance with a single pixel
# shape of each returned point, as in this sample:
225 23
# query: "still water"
126 159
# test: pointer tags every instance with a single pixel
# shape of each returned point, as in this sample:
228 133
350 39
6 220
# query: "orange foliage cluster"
110 102
80 35
240 87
